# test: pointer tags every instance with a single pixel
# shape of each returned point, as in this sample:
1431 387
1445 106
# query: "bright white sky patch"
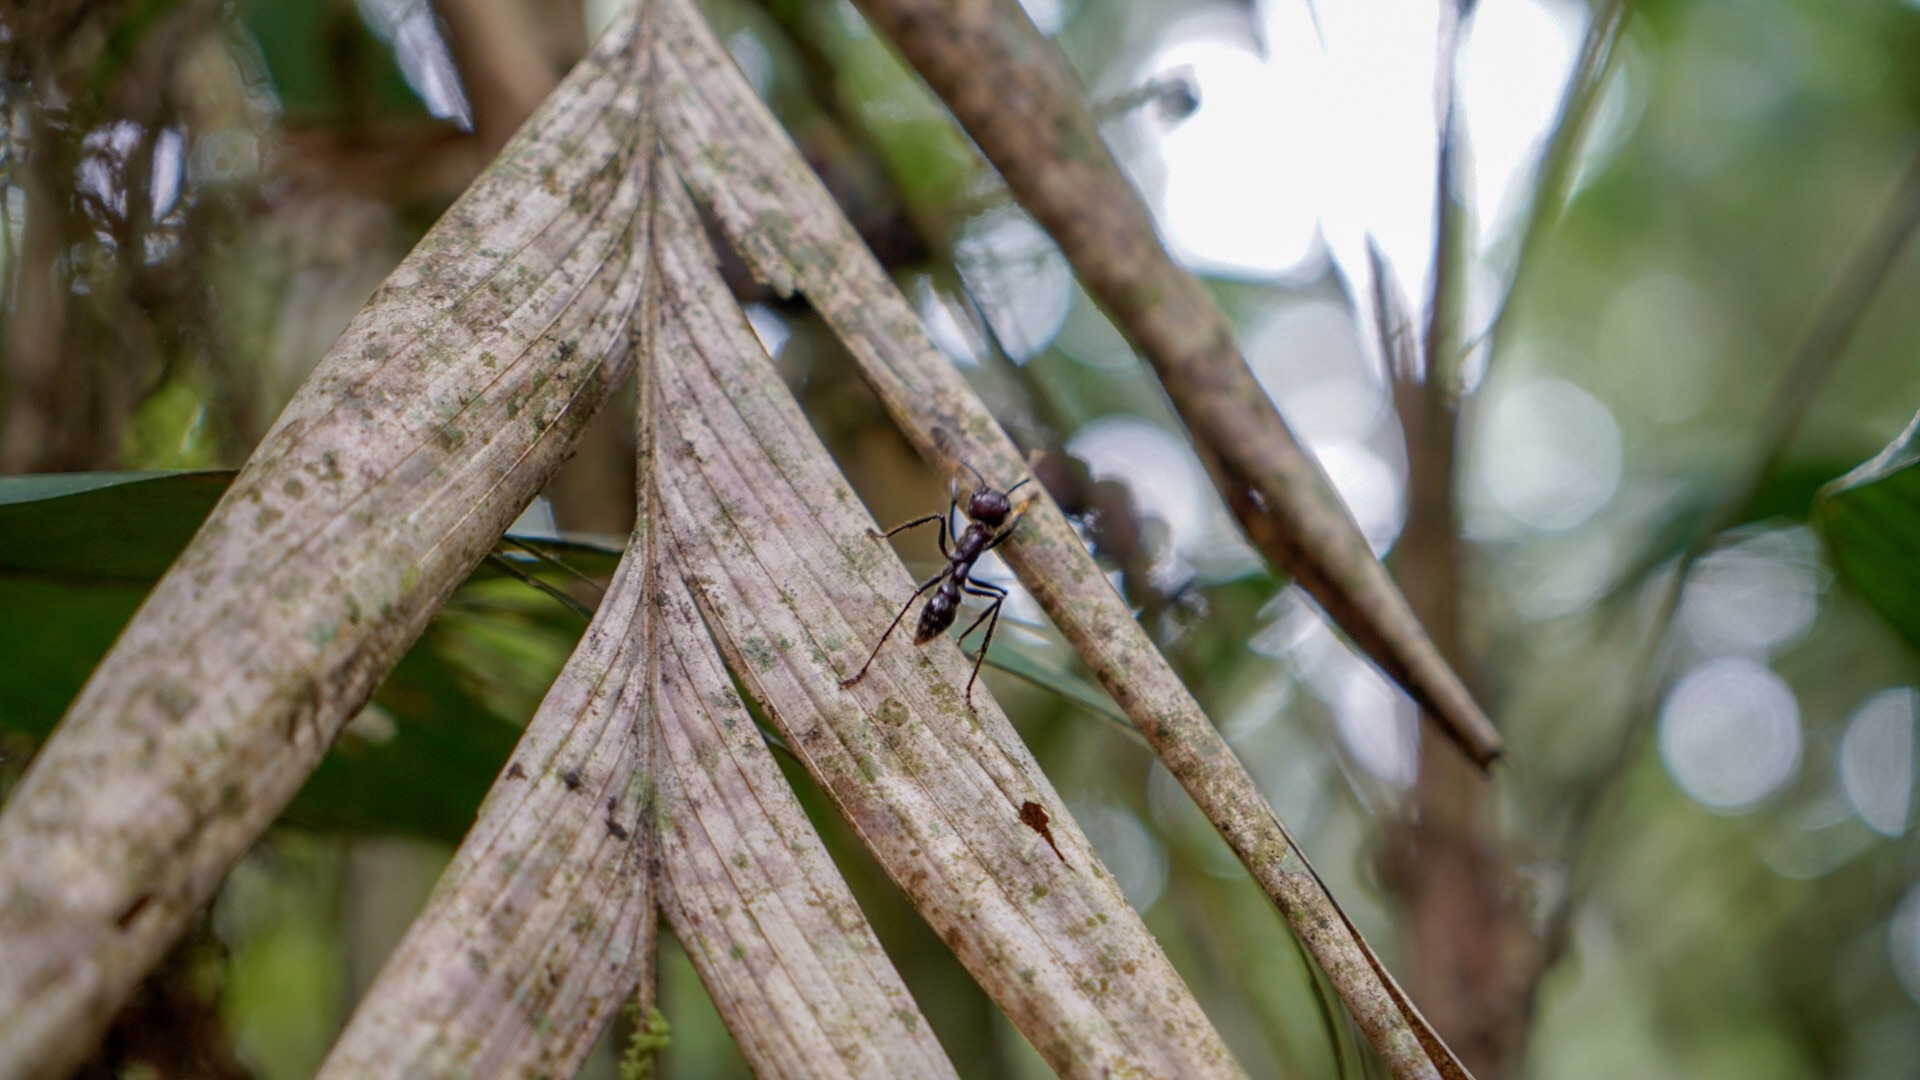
1295 139
1513 72
1239 196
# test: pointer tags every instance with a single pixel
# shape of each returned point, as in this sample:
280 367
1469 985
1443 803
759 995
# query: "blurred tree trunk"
1476 958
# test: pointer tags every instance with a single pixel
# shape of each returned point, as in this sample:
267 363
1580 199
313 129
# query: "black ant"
987 528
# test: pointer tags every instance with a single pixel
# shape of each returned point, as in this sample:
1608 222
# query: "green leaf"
122 527
78 553
418 761
1870 519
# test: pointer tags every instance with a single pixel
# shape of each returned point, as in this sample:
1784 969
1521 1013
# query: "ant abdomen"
935 617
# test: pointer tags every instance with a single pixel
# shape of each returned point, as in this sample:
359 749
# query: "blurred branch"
52 41
40 406
1474 953
1013 93
839 146
1438 358
1838 315
811 249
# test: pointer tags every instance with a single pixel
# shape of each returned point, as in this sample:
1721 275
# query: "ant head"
988 506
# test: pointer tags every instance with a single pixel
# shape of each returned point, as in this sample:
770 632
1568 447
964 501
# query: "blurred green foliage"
81 551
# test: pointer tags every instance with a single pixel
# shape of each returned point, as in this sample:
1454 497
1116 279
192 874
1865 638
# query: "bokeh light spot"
1378 725
1903 941
1169 483
1876 760
1549 455
1730 734
1018 277
1663 339
1755 597
1130 850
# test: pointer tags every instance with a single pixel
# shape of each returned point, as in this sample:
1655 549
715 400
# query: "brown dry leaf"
777 551
544 922
443 408
749 889
736 157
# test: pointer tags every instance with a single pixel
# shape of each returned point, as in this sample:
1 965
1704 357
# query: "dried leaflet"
443 408
748 887
543 923
775 548
778 215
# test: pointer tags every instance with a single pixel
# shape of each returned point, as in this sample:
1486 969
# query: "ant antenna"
1023 483
974 471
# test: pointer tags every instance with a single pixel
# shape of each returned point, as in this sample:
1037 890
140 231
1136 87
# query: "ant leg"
891 627
905 525
943 519
999 596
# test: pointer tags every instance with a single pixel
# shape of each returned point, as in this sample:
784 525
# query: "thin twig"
555 561
559 596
